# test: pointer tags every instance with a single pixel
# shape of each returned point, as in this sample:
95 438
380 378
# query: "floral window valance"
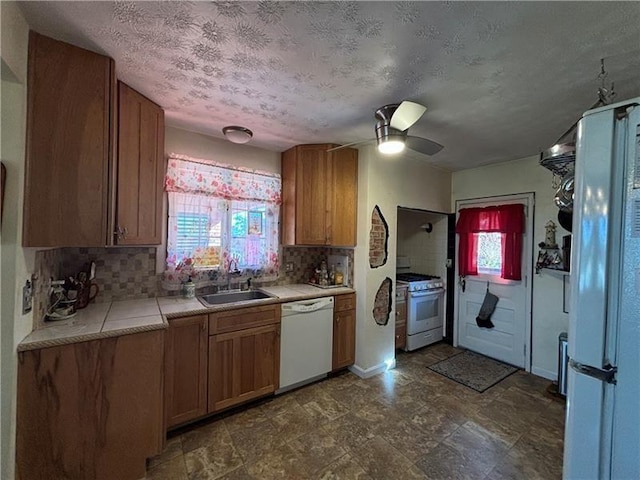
221 217
193 175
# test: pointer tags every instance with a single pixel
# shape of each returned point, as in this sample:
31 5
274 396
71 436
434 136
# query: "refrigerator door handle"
605 374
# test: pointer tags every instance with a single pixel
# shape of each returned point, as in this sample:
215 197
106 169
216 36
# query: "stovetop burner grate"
414 277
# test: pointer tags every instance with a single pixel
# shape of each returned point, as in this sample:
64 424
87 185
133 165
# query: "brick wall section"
382 303
378 236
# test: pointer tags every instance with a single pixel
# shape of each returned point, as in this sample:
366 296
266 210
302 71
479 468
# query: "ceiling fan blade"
350 144
406 115
423 145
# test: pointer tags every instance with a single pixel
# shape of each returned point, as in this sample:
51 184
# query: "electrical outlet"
288 267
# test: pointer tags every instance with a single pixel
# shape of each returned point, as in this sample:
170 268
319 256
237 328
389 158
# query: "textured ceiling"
501 80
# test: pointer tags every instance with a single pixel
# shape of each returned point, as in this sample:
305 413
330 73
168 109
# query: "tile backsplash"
305 259
121 273
130 272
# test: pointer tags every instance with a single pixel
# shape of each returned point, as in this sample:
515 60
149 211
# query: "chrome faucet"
231 272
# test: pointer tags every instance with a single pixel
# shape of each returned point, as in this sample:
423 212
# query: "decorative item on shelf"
550 256
550 235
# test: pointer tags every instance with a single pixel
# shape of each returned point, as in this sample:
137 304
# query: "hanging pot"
564 195
565 219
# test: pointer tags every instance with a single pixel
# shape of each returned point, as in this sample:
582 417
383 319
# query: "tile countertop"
103 320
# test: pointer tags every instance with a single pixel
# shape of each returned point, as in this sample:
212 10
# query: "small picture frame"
255 223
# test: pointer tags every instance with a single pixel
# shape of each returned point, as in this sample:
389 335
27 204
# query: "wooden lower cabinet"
344 331
90 410
186 362
243 365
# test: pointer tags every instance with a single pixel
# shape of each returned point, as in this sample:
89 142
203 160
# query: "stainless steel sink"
231 297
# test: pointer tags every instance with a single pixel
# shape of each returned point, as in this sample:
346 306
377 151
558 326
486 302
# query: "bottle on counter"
332 275
338 275
324 275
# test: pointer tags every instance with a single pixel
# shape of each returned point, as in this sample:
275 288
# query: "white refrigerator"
602 436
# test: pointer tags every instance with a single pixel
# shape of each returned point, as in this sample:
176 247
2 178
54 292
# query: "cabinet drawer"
232 320
345 302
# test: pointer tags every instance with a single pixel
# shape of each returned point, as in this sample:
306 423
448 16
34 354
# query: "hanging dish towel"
486 310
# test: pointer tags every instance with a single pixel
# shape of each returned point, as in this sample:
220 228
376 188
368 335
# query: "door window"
489 256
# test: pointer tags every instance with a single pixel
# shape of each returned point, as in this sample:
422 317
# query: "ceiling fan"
393 122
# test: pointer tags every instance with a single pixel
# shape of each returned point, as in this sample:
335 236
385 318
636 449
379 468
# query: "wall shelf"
550 258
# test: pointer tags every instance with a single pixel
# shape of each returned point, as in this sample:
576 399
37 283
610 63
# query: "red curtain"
505 219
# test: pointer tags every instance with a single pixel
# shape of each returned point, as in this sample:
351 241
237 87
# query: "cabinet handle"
338 319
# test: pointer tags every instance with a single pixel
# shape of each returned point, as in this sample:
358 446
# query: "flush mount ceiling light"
236 134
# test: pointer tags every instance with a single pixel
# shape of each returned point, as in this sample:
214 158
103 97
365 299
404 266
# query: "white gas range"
425 308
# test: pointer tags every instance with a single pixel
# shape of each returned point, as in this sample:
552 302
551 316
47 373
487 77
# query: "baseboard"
372 371
541 372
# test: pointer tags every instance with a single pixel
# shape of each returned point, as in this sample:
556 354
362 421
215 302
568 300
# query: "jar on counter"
189 289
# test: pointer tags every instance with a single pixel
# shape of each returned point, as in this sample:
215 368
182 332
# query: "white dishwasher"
306 341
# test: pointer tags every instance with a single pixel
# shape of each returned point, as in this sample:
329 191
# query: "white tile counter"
98 320
103 320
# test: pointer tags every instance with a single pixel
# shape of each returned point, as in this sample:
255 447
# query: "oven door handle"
426 293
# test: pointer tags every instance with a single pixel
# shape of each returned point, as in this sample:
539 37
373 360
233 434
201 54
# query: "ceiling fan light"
236 134
391 146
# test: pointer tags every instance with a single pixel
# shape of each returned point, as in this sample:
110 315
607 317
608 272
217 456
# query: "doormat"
473 370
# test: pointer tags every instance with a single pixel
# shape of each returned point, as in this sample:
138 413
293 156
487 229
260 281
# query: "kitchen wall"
405 180
427 251
519 176
220 150
16 262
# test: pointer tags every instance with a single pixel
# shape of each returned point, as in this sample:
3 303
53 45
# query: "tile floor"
407 423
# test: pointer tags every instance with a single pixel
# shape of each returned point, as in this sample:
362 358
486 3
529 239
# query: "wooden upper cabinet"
140 169
69 98
344 213
319 191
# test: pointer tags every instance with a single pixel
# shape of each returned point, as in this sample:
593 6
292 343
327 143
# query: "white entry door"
509 339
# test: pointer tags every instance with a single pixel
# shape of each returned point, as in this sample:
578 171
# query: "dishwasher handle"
307 306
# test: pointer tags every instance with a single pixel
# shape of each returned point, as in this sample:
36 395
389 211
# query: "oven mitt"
486 310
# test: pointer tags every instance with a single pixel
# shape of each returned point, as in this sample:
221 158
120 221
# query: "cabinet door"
344 338
243 365
140 169
186 369
344 196
90 410
401 335
401 325
68 145
313 195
